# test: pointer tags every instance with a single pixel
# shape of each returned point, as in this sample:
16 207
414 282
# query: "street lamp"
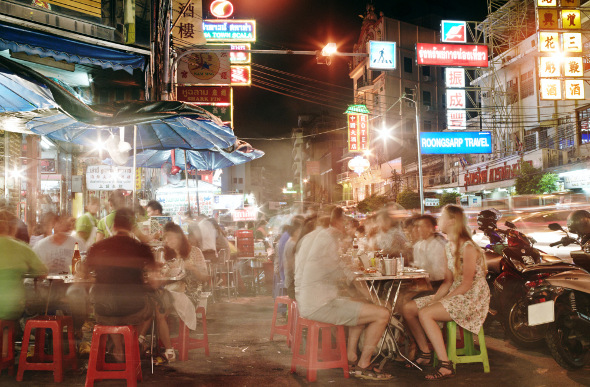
421 182
325 56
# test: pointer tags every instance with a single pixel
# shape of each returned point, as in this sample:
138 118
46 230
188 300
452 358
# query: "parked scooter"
561 302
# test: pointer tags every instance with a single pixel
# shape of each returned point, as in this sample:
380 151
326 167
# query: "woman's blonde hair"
463 234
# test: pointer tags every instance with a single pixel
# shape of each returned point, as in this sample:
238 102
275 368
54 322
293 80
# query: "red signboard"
462 55
240 75
205 95
358 132
247 214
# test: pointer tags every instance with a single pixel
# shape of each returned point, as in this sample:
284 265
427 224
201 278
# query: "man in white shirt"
56 250
429 252
208 238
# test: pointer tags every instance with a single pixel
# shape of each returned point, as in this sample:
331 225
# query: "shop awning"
63 49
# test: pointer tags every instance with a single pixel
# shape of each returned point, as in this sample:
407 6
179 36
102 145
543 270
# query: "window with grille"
527 84
584 125
512 91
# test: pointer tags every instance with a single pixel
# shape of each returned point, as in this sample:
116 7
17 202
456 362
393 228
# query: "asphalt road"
242 355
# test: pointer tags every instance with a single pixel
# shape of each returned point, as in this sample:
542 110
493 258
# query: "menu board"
109 178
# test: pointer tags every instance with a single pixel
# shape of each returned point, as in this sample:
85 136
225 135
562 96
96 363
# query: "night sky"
309 25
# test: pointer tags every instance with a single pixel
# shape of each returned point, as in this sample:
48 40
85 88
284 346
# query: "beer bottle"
75 258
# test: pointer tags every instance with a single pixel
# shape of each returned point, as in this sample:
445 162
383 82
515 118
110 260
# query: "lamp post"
420 179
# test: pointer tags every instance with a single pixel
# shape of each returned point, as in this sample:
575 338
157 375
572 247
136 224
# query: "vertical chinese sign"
560 38
358 128
187 16
456 104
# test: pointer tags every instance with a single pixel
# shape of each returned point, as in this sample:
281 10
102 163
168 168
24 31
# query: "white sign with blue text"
453 31
455 143
382 55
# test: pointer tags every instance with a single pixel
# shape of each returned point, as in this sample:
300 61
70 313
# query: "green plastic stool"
467 354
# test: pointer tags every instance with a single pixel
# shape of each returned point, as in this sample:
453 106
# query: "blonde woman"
463 297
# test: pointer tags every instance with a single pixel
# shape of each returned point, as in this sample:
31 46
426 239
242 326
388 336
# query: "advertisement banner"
109 178
229 30
245 215
382 55
212 68
453 31
461 55
358 132
205 95
455 143
228 202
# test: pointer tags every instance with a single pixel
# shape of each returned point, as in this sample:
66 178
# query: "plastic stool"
183 342
98 369
326 357
58 360
467 354
286 329
7 362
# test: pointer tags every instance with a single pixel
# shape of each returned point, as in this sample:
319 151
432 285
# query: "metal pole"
197 188
134 164
421 181
188 196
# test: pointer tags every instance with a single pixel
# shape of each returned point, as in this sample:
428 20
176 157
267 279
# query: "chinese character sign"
550 89
574 89
358 132
549 41
547 19
189 24
572 41
240 76
456 119
549 67
570 3
212 68
108 178
573 67
546 3
454 77
456 99
571 19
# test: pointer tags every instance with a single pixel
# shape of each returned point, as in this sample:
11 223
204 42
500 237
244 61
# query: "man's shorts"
339 311
132 319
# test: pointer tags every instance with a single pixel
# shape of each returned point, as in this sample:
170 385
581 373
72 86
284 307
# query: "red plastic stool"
294 315
98 369
183 342
327 356
285 329
41 361
7 362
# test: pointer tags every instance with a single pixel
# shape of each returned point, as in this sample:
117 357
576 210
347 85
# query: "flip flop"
370 374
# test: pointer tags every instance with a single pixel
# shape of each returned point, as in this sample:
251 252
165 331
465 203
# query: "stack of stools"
467 354
288 328
7 362
245 243
327 356
41 361
98 369
183 342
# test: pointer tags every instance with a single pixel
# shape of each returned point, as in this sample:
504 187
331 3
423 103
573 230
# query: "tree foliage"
408 199
449 198
372 203
531 180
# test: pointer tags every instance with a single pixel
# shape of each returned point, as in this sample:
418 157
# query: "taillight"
538 280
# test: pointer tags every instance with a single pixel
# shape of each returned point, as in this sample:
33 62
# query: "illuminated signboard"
456 99
247 214
223 112
212 68
188 26
241 75
453 31
550 89
549 67
229 30
572 41
548 41
205 95
455 143
382 55
461 55
238 52
547 19
574 89
358 128
546 3
571 19
454 77
221 8
456 119
573 66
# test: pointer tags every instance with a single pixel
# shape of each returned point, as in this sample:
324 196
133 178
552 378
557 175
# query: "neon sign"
462 55
221 8
229 30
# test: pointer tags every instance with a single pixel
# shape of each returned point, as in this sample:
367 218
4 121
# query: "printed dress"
469 310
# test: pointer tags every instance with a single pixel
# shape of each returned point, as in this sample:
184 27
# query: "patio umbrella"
202 160
18 94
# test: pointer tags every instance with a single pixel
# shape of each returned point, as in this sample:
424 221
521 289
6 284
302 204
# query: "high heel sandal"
437 375
424 356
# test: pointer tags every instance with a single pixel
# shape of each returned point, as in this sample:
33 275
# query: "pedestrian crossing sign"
382 55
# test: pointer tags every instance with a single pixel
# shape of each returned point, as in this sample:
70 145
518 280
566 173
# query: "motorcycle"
561 304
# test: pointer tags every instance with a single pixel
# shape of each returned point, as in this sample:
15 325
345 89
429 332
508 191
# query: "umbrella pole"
134 164
188 196
197 186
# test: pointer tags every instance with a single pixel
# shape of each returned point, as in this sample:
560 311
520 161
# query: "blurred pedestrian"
86 224
56 250
154 208
105 225
390 238
289 253
44 228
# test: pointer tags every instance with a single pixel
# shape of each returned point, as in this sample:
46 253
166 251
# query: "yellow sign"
550 89
549 67
548 41
573 67
570 19
570 3
547 19
572 41
189 24
574 89
89 7
546 3
137 179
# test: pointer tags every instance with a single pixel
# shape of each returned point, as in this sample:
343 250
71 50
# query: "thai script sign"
205 95
247 214
109 178
490 175
455 143
229 30
475 55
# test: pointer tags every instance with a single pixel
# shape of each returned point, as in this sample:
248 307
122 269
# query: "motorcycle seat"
493 262
548 267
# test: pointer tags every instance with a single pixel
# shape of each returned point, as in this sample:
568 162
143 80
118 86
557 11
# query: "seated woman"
180 256
463 297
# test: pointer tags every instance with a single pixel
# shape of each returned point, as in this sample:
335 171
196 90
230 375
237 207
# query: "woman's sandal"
424 356
370 374
437 375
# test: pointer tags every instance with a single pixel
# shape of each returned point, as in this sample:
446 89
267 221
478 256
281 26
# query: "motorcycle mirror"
509 224
555 227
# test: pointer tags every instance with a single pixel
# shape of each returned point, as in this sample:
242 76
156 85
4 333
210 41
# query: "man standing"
318 298
87 223
208 238
105 225
120 295
429 252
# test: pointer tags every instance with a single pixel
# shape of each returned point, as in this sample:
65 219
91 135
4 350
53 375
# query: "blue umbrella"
18 94
202 160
